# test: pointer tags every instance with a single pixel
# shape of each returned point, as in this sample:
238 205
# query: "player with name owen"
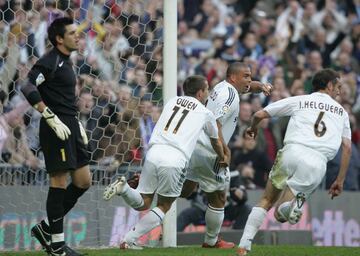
51 90
171 145
318 126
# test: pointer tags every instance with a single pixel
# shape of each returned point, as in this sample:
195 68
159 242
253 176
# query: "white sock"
56 238
214 218
46 221
132 197
253 223
150 221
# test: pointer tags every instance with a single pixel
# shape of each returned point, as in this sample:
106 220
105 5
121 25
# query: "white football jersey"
181 123
317 121
224 103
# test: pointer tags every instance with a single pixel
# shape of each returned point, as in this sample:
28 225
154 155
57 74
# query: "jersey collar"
64 56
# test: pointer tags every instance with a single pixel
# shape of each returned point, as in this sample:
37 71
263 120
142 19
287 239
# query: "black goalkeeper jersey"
55 79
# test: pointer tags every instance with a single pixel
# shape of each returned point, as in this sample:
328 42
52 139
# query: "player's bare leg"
214 218
257 216
188 188
82 177
150 221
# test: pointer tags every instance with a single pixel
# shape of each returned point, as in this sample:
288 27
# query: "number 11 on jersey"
176 110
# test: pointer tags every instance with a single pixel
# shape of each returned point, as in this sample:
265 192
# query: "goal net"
119 70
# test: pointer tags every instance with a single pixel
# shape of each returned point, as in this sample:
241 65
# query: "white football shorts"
299 167
203 168
164 171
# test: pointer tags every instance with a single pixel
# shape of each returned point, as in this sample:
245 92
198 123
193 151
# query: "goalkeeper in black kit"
51 90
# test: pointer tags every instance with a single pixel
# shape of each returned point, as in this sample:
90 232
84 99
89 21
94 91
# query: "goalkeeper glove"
83 134
60 129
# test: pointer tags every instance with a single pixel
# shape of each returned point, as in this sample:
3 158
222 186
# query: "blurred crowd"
120 70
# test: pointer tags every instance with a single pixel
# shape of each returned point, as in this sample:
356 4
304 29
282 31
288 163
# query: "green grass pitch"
259 250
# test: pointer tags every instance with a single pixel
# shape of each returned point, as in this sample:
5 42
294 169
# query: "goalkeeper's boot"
132 246
65 251
220 244
296 208
44 238
115 188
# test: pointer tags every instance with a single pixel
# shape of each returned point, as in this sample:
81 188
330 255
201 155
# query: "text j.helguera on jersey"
321 106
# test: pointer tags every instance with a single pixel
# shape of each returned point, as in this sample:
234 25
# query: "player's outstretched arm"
257 87
258 116
337 187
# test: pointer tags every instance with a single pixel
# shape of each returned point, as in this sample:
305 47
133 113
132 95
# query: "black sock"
55 210
71 196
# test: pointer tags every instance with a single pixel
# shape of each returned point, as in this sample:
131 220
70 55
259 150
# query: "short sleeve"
210 127
40 72
346 130
284 107
222 104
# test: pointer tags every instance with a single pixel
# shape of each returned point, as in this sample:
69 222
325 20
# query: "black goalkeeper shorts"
59 155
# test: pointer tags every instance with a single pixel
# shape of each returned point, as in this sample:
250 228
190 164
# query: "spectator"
248 154
289 25
269 138
13 145
250 47
8 69
244 116
146 123
353 174
247 174
330 19
85 106
237 210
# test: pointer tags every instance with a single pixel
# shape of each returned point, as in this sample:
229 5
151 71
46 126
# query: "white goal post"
170 86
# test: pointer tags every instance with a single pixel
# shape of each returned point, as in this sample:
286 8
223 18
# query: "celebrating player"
171 145
204 168
318 126
51 90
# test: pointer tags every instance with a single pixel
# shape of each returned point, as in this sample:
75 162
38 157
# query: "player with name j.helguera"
318 126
